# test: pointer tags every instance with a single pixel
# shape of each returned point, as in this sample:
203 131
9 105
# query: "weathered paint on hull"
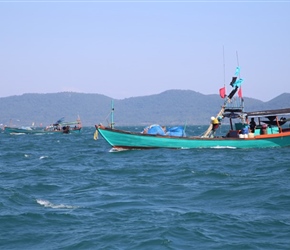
130 140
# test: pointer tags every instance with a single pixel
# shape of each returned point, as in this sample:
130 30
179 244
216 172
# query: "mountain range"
171 107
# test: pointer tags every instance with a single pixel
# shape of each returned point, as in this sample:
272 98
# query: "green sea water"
72 192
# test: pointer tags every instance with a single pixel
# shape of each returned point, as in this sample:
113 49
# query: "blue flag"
238 83
237 71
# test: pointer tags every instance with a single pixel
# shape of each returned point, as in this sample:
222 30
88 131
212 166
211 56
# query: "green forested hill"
169 108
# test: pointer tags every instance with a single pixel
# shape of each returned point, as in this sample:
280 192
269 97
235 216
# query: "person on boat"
164 129
215 125
252 125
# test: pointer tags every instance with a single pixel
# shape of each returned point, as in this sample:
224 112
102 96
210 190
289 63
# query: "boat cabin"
265 122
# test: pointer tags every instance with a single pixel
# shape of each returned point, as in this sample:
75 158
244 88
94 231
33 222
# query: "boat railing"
235 105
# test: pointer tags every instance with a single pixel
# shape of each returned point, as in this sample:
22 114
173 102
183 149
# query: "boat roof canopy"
265 113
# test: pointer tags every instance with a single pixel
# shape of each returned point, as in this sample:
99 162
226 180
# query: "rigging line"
224 66
106 118
238 62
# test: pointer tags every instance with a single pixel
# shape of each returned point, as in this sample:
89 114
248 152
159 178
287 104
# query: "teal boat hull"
120 139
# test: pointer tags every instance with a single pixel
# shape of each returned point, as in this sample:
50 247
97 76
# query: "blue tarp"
175 131
158 130
155 130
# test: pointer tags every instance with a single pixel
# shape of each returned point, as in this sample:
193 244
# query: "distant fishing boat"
59 126
269 131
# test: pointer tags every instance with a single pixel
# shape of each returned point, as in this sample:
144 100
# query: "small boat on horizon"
269 131
60 126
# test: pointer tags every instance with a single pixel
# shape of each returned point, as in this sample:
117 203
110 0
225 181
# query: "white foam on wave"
43 157
218 147
113 150
46 203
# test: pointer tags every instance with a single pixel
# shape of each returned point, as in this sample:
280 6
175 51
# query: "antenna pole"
112 114
224 66
238 61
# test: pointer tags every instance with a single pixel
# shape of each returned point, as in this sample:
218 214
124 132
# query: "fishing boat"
269 129
65 127
23 130
60 126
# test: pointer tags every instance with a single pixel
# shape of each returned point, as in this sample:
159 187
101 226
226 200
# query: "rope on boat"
206 134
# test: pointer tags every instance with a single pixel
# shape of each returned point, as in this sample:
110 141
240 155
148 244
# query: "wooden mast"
228 98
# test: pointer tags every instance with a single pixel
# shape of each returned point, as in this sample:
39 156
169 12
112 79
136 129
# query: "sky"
125 49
